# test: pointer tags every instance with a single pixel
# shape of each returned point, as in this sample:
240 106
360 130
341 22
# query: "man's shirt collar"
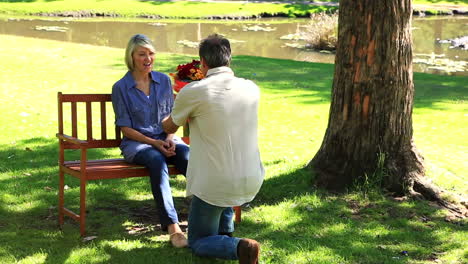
218 70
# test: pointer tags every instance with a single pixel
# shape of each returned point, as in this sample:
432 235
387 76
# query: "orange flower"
186 73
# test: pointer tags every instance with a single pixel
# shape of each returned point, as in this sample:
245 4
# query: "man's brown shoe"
248 251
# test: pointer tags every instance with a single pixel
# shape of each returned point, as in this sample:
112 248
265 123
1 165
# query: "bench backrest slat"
108 143
89 122
78 100
60 114
74 118
117 133
103 121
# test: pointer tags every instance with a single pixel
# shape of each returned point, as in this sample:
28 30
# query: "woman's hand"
171 143
164 147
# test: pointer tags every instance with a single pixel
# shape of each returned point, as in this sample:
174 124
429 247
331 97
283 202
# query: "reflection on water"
257 43
427 30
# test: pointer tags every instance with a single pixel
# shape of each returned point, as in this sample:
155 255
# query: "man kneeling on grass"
224 168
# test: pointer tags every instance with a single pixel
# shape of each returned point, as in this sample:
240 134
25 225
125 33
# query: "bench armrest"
186 140
72 139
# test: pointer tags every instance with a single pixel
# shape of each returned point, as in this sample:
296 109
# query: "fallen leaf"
400 199
137 230
47 188
89 238
425 219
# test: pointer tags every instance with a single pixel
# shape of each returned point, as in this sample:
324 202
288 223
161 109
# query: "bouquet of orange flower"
186 73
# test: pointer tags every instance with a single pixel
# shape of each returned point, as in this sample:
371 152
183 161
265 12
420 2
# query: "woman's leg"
180 160
155 161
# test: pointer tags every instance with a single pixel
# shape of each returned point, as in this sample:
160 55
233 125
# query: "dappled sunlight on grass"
123 245
35 258
344 227
92 255
295 222
435 129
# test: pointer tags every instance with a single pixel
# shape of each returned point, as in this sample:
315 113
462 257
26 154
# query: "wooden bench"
87 170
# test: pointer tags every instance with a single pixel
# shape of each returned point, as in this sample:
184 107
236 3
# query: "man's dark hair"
216 50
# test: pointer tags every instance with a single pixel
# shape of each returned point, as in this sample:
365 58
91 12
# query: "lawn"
294 221
173 9
186 9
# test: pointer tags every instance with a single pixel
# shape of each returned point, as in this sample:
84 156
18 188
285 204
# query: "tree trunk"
372 99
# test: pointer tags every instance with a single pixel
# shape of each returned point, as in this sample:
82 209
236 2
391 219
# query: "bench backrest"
95 139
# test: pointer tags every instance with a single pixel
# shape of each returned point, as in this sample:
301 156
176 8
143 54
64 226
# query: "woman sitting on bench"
141 99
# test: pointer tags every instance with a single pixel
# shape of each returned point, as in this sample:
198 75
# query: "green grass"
177 9
295 222
441 2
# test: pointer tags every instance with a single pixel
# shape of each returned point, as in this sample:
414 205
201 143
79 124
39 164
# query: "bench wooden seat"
109 169
86 170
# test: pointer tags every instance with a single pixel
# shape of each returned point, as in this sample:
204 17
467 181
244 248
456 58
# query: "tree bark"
372 99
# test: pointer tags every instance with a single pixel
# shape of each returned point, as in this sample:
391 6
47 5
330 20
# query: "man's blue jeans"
156 163
205 223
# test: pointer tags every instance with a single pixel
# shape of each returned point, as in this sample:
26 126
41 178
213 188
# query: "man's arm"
169 126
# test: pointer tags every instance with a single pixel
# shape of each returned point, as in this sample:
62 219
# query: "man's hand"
169 126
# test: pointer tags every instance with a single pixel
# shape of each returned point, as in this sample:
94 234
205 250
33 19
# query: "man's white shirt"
224 167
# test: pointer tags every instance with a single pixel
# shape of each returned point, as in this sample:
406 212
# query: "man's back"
224 167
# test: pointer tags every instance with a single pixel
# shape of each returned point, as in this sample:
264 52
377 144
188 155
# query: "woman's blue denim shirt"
134 109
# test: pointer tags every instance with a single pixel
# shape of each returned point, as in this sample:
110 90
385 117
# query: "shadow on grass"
348 226
161 2
449 1
29 216
313 82
305 10
431 89
17 1
24 1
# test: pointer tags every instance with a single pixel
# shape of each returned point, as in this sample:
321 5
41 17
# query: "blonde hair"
135 41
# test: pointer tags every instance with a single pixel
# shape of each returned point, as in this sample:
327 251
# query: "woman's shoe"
178 240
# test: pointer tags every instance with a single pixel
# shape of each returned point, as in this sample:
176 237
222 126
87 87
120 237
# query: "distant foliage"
321 32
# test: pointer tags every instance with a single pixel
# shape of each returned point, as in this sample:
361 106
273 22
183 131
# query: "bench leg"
61 197
83 207
238 211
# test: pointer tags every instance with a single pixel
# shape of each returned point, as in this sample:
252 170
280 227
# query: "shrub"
321 32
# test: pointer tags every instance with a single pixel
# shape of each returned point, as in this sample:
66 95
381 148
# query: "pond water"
177 36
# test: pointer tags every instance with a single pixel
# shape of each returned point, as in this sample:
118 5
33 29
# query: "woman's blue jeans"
205 223
156 163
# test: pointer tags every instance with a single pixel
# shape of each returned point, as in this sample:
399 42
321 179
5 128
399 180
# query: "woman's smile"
143 59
